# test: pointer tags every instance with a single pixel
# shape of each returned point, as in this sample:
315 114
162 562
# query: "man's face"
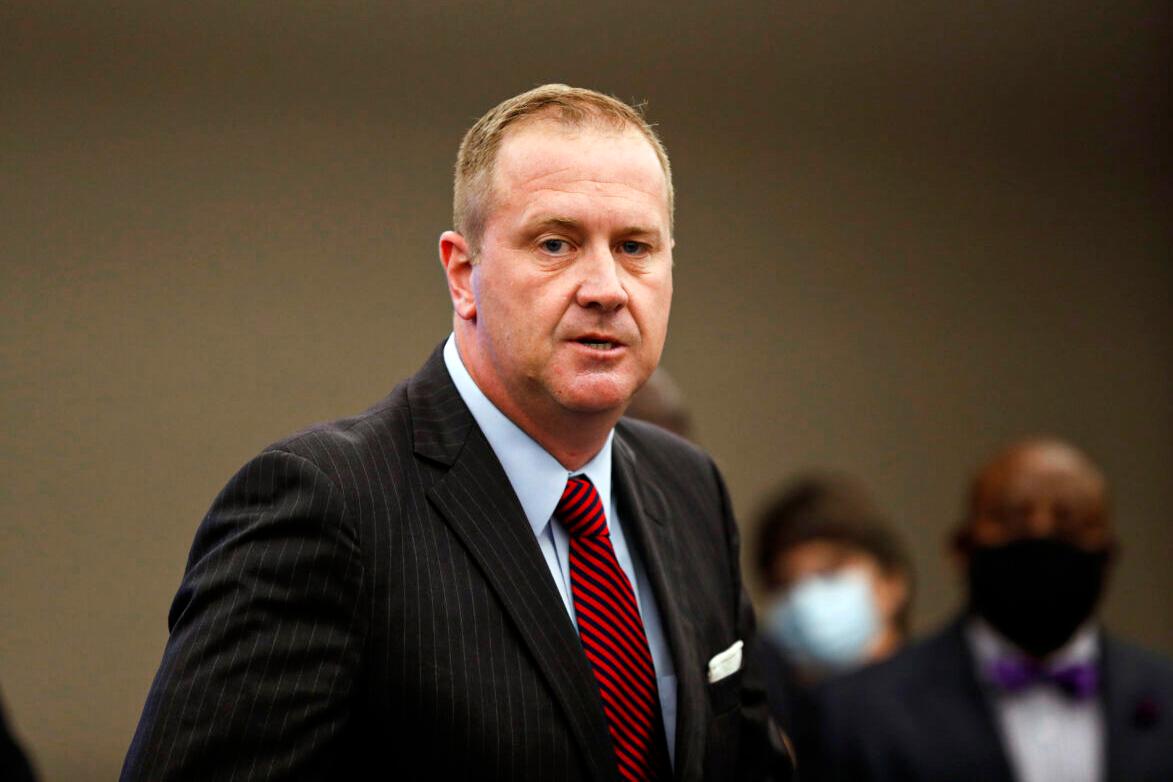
1038 545
1041 491
573 282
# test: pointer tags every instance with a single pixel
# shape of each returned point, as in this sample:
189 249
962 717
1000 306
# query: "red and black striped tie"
612 635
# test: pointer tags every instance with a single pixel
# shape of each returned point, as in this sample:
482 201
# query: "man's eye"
555 246
632 247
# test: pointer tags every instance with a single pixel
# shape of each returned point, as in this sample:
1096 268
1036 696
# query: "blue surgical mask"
825 623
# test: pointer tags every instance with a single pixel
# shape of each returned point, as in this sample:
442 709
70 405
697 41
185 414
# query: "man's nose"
600 284
1041 521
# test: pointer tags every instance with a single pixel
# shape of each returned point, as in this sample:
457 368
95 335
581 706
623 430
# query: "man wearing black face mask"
1024 686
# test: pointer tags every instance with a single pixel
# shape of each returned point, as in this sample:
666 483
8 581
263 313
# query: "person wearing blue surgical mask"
838 605
838 585
827 622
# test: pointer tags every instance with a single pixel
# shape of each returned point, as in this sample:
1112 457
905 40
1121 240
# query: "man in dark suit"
488 574
14 766
1025 685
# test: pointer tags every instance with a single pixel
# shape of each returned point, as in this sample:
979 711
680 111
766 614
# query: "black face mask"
1036 592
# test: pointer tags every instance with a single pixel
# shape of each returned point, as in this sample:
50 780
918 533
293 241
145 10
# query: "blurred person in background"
661 402
14 766
1025 685
839 585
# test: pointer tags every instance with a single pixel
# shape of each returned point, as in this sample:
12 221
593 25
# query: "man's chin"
597 399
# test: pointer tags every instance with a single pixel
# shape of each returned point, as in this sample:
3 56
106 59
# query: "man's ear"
458 267
958 547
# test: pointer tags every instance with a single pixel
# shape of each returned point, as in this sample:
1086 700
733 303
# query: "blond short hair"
571 106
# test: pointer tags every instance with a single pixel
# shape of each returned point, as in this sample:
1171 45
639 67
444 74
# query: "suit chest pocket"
724 694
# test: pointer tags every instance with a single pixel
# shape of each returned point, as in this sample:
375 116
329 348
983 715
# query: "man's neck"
885 644
988 643
573 438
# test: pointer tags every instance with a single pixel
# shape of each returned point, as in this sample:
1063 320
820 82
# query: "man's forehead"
550 127
1040 470
544 149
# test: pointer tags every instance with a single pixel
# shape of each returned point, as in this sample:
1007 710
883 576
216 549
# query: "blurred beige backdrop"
903 239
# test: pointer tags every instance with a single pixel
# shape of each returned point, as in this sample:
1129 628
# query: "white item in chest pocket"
725 663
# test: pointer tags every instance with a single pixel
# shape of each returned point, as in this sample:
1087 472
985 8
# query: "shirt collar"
537 478
988 646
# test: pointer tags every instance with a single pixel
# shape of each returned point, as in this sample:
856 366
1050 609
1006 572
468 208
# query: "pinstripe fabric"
366 600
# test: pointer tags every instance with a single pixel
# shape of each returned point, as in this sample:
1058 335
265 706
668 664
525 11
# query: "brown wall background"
904 238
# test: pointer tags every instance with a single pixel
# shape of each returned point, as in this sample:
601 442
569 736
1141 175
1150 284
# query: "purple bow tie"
1080 681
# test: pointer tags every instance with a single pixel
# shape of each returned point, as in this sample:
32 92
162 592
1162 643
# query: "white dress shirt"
538 480
1048 736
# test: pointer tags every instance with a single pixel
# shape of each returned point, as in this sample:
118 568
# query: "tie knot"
580 510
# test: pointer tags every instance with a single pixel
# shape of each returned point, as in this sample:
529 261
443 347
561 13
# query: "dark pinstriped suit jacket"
366 600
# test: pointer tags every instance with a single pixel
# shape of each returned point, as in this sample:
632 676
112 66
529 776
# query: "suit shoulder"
903 675
1143 663
387 419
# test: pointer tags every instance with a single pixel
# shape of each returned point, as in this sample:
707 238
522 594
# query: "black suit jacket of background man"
922 717
367 600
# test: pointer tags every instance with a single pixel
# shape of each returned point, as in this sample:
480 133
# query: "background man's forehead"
1040 484
1040 460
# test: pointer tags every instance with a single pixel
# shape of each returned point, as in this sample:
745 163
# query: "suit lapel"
477 502
1131 710
961 714
1115 684
645 516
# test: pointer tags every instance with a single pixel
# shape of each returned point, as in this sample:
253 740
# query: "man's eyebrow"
556 222
571 224
639 230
